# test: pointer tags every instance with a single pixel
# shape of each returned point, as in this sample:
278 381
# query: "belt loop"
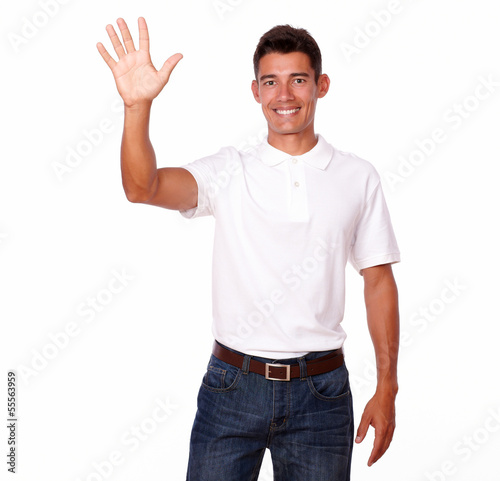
303 368
246 364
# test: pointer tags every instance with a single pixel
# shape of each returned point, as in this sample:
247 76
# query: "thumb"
169 65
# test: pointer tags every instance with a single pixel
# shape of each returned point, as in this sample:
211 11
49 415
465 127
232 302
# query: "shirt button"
294 161
296 184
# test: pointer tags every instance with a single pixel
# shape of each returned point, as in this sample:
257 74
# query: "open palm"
137 80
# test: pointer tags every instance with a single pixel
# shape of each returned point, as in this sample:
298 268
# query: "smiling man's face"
287 90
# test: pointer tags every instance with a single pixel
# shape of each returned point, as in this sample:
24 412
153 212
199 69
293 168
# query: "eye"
300 80
269 82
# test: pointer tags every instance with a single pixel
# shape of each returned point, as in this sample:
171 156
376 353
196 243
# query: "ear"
323 85
255 91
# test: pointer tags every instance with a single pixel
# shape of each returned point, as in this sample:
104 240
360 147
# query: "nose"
285 92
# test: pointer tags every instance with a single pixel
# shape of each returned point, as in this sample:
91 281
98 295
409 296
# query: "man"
289 215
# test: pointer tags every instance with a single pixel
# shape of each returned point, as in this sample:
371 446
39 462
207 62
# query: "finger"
363 428
127 38
378 449
381 444
387 442
106 56
143 35
115 41
169 65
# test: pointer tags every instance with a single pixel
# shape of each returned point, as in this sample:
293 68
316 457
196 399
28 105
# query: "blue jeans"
307 424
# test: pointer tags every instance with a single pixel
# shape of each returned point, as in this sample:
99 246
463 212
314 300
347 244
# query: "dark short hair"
288 39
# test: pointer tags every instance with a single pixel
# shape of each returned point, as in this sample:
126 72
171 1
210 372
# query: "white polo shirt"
285 227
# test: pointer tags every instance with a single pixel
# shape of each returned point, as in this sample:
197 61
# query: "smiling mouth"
286 112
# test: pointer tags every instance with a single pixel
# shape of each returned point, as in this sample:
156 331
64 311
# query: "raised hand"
137 80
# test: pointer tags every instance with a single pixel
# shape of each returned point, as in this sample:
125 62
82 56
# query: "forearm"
381 298
138 160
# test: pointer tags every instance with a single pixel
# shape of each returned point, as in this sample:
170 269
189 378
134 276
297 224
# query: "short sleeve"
374 242
208 172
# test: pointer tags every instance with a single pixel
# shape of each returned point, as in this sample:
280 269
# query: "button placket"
298 208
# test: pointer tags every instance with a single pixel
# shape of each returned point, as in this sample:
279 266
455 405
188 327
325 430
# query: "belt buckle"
278 365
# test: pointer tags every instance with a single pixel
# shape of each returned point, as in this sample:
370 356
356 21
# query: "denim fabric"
307 424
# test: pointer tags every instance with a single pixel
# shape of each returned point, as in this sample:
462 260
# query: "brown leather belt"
281 372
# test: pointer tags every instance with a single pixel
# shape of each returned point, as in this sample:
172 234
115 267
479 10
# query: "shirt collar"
319 156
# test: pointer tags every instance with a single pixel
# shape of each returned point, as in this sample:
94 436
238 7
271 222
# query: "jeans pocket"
330 386
220 376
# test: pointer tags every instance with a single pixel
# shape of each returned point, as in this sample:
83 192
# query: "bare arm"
168 187
381 299
138 83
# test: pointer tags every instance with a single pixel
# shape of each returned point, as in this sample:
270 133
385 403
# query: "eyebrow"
294 74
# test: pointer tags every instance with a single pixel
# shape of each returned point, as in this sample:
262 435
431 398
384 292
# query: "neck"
294 144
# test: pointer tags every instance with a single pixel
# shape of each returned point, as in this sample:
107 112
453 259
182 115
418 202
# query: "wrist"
137 114
138 107
387 387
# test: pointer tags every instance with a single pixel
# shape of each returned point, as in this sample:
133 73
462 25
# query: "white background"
66 227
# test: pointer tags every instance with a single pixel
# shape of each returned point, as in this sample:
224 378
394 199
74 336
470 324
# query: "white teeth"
287 112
